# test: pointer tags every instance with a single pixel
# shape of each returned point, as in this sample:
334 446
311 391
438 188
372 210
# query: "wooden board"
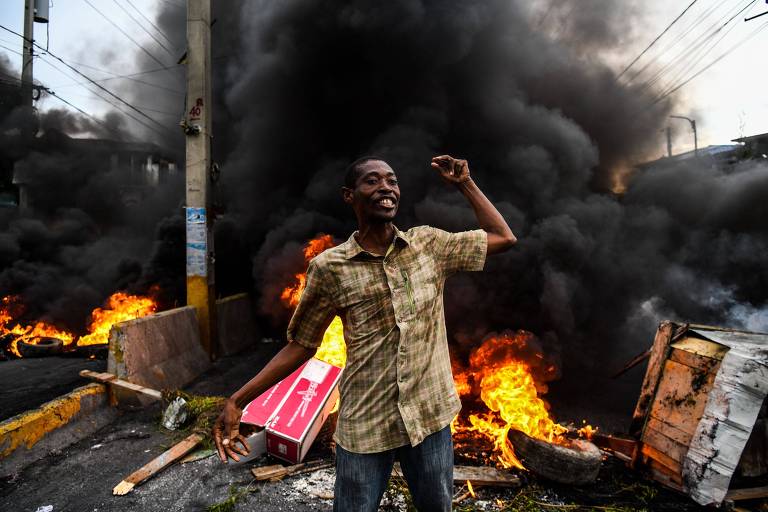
656 459
112 380
664 444
682 396
680 436
701 347
747 494
478 475
652 374
157 464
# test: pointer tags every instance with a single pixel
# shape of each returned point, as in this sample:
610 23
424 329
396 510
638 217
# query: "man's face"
376 195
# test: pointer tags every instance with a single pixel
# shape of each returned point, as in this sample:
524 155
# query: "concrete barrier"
236 324
160 351
30 436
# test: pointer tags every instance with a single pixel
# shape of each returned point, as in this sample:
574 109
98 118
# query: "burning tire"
576 464
40 347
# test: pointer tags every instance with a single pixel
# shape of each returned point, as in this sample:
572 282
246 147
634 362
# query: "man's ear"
346 194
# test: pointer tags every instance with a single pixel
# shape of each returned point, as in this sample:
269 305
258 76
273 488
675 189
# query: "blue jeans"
361 478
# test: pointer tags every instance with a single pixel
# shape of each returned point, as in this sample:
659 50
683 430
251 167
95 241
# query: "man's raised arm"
456 172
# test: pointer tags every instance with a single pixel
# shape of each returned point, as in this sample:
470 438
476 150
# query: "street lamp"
695 137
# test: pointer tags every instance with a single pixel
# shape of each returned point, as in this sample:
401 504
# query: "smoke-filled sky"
725 107
526 92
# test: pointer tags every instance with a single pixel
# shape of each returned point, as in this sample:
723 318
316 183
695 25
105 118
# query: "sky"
727 101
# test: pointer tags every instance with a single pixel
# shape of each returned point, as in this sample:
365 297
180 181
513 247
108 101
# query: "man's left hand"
452 170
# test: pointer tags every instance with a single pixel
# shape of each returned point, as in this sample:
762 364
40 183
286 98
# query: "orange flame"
120 307
291 294
332 350
9 308
508 388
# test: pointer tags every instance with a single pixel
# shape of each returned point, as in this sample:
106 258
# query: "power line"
95 119
698 21
129 77
718 59
151 23
113 104
143 107
11 50
693 50
124 33
701 52
655 40
89 79
143 28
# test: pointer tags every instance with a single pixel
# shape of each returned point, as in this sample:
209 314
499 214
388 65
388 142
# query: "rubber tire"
575 465
45 346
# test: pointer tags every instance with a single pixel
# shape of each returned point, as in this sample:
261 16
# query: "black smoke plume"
522 91
548 131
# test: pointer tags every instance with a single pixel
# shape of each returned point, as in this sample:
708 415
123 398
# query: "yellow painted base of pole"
198 296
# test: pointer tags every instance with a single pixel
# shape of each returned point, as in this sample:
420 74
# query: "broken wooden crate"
698 417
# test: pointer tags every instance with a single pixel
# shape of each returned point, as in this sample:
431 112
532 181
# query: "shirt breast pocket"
361 302
422 287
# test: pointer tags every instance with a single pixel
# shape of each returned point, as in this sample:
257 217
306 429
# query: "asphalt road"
29 383
81 477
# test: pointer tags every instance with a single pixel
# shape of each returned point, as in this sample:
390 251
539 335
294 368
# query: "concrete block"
30 436
236 324
160 351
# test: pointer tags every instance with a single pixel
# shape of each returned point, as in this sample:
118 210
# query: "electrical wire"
146 125
682 35
121 100
699 55
143 28
153 25
692 52
715 61
125 33
656 40
11 50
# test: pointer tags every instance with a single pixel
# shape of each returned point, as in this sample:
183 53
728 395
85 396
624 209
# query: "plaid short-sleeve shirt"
397 386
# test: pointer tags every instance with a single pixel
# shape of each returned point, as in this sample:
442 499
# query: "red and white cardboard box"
295 409
264 407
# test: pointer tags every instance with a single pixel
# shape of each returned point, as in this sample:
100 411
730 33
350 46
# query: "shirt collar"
352 248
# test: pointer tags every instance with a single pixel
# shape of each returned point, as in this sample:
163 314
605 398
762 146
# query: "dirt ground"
81 477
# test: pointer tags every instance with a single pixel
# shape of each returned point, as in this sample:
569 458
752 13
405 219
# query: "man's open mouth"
386 202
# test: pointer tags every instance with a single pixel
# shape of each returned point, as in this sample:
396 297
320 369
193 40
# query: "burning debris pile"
508 374
20 339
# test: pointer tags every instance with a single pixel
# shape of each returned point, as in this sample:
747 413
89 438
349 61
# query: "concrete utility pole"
201 291
27 53
695 136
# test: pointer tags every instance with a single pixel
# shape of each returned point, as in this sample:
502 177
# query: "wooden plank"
157 464
477 475
701 347
664 444
747 494
112 380
671 431
662 475
682 396
660 458
618 445
278 471
652 375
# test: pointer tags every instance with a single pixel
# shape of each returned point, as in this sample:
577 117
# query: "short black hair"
353 169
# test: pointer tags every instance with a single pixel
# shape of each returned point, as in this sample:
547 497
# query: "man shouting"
397 391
